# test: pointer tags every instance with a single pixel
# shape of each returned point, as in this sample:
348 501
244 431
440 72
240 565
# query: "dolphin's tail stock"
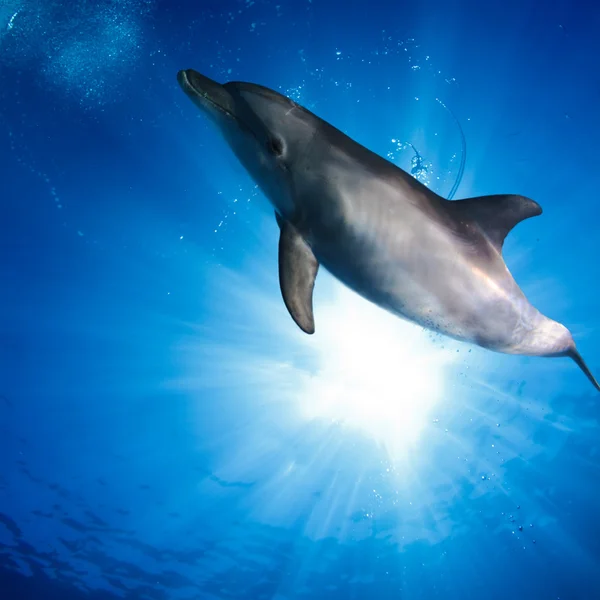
574 354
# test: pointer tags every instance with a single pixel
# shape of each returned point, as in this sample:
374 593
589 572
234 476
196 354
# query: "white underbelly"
419 271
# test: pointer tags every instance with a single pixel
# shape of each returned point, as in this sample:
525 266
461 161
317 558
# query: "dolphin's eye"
276 146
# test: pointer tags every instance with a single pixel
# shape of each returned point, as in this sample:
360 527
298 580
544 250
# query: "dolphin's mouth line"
188 86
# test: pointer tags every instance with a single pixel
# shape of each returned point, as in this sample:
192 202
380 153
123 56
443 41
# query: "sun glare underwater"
167 431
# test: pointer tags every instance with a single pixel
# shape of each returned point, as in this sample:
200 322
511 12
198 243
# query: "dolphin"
385 235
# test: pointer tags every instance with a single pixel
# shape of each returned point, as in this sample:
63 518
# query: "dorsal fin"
494 215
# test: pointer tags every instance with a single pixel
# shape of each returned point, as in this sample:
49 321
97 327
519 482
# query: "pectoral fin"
297 273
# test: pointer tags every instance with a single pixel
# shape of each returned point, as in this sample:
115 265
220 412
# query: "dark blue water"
166 431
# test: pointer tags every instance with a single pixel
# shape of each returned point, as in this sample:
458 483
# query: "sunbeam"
376 373
364 370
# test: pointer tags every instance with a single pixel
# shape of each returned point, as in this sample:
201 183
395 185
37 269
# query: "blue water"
166 431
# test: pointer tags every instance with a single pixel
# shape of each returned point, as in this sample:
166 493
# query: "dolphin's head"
269 133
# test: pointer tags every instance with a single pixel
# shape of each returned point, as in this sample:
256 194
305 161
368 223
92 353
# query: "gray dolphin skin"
385 235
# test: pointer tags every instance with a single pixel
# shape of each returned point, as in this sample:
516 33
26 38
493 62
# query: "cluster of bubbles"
81 48
419 168
8 13
419 61
414 53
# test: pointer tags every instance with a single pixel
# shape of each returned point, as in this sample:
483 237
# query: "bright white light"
364 368
377 373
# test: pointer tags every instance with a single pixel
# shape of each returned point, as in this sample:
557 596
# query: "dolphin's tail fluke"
574 354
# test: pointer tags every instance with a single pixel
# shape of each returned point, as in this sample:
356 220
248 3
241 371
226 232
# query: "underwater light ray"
295 485
335 503
351 501
349 377
381 376
293 372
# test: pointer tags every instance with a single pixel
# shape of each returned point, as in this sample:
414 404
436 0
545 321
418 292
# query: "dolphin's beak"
206 93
